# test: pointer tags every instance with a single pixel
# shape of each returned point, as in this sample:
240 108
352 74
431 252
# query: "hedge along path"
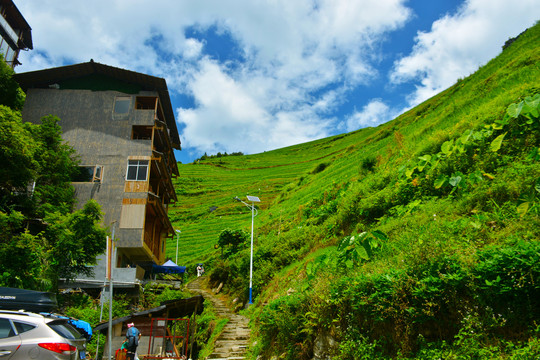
233 341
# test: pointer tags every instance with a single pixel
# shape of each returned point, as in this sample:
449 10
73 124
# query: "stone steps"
233 341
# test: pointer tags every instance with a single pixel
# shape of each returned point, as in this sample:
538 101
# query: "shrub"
368 163
281 326
319 168
508 282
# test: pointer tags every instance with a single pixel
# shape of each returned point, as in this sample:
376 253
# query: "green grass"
270 176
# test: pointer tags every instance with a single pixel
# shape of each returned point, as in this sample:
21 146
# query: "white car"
25 335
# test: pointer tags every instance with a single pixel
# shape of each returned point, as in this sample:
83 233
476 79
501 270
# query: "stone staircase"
234 339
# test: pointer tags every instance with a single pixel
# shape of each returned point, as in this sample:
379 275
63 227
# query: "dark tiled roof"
44 78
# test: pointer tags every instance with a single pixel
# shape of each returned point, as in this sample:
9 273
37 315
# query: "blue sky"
257 75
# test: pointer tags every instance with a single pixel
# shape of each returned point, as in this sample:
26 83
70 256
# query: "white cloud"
192 49
374 113
298 58
458 44
230 117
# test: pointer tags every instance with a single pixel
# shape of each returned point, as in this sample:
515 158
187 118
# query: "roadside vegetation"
417 239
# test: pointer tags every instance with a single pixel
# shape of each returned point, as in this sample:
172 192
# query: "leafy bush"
508 282
281 327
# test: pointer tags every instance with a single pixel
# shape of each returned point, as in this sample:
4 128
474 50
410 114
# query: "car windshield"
65 330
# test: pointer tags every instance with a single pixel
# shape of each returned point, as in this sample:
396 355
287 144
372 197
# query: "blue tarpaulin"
168 268
83 327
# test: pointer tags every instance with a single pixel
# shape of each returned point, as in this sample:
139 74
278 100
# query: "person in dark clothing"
132 337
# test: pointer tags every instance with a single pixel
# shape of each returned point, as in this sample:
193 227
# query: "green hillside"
414 239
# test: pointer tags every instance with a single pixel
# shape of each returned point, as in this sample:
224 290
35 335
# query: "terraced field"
205 190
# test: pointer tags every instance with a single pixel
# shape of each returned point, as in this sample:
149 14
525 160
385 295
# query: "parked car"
25 335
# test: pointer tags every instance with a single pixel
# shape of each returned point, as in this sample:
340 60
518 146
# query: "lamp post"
177 236
111 260
254 213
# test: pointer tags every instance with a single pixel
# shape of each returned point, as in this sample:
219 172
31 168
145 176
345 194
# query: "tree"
21 254
58 164
232 241
17 150
73 242
11 94
41 239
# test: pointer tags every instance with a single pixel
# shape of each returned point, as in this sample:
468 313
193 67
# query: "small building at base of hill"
166 331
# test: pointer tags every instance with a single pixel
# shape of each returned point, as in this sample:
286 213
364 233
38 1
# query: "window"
145 102
4 46
5 329
121 104
23 327
137 170
65 330
141 132
10 55
88 174
97 174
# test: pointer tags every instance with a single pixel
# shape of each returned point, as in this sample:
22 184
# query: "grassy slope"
283 178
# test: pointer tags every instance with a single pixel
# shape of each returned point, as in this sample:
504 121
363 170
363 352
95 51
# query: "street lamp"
254 213
177 236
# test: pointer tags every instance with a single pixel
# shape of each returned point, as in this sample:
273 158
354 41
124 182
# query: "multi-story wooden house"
15 33
122 125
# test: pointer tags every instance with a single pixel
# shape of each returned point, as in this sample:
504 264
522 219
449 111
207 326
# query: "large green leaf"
409 172
523 208
424 160
514 109
529 112
531 106
455 180
362 253
447 146
496 144
464 139
309 268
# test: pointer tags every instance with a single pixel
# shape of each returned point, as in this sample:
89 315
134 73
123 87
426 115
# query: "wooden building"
122 125
15 33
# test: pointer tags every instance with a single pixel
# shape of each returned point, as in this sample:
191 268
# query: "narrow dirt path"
233 341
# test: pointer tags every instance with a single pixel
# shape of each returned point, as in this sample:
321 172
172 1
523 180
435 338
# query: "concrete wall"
99 136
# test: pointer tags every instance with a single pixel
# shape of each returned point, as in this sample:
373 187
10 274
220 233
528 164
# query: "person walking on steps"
132 337
200 270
